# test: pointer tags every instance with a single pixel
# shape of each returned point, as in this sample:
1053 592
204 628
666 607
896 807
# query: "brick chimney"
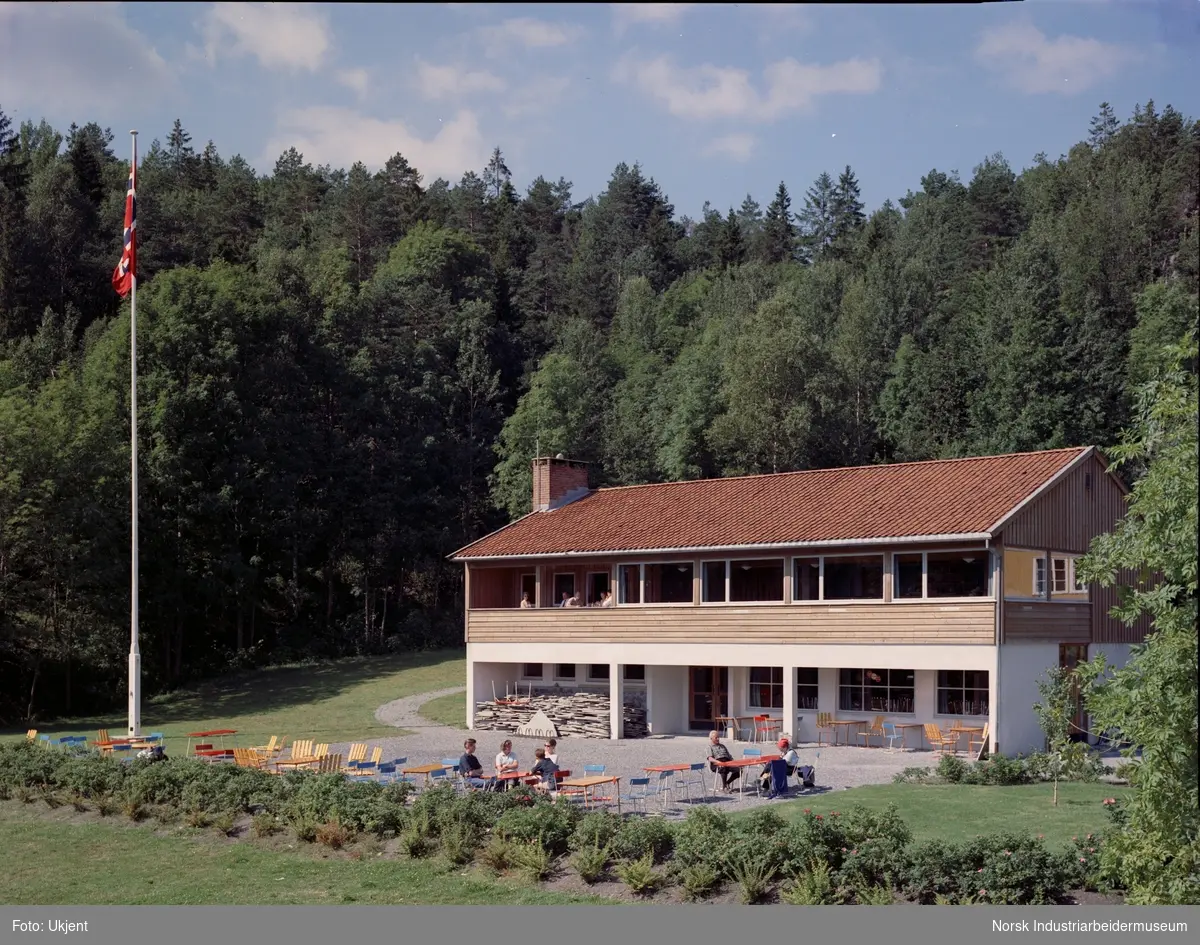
557 481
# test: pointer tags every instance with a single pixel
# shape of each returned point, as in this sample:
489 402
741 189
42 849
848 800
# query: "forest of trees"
345 374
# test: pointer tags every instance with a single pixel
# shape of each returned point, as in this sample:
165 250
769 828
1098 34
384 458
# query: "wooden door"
1071 655
708 695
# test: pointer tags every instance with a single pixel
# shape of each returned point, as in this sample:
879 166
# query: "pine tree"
496 174
817 218
1103 127
848 213
779 232
731 249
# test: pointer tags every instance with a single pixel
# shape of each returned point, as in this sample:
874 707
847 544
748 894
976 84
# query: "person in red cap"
789 756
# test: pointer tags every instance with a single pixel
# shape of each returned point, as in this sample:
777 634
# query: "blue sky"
715 101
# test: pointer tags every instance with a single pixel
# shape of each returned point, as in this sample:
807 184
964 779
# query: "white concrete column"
616 705
470 690
789 703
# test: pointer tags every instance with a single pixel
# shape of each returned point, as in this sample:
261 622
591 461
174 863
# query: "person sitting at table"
789 756
525 601
471 771
718 752
552 749
506 761
545 769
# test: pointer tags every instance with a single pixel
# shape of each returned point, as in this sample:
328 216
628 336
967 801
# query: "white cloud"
340 136
1031 62
784 16
724 92
279 35
528 33
75 57
356 80
627 14
736 147
536 97
454 82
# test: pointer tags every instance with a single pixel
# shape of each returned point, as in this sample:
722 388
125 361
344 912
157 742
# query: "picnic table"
215 733
903 727
589 785
300 762
846 725
659 769
426 770
746 763
215 754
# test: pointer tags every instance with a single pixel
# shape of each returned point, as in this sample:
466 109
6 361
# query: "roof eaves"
1041 490
455 555
704 549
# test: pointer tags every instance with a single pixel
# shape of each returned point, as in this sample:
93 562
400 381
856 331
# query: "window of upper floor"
925 575
1034 575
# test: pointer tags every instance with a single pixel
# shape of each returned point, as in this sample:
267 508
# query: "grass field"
53 861
329 702
957 812
447 710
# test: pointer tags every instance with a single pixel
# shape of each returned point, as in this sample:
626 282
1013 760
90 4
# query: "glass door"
708 695
1070 655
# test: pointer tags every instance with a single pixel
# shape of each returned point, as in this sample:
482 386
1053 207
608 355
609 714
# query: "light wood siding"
1044 621
932 622
1107 629
1068 516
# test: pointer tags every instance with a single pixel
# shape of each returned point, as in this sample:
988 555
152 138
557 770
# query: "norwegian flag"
126 270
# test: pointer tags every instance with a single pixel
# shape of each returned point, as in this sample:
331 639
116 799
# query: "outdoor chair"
975 744
31 735
321 750
875 731
942 742
330 764
636 795
824 724
269 748
693 776
816 763
660 788
358 752
302 749
101 737
44 740
892 734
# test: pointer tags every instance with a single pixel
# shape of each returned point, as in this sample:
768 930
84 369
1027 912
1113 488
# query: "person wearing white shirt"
789 757
552 750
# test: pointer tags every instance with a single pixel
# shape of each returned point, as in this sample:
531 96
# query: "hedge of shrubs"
1087 766
858 856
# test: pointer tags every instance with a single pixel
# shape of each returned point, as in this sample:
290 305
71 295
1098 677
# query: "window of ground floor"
962 692
807 687
877 690
597 672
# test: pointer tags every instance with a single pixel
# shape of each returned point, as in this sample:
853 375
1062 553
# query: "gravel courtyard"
837 768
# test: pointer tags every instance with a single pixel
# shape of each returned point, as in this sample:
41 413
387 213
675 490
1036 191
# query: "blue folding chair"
638 791
892 736
662 788
694 775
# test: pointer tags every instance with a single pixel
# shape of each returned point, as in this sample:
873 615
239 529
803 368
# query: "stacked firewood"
575 715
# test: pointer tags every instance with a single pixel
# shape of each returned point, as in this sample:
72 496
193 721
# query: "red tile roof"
940 497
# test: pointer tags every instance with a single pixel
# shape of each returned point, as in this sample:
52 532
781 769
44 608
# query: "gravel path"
838 767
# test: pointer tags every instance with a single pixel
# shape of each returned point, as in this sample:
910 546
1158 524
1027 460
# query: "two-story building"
924 592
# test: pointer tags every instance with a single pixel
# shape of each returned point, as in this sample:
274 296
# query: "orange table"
589 785
295 762
215 733
747 763
659 769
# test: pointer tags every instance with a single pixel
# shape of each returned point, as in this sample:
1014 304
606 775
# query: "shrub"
594 830
164 814
933 869
458 844
106 806
882 895
753 876
701 839
49 797
698 880
27 765
639 875
813 837
197 817
875 847
264 824
812 887
1014 870
92 775
533 860
306 831
643 836
951 769
416 845
1080 863
589 862
334 834
498 853
370 845
79 802
135 810
548 823
225 822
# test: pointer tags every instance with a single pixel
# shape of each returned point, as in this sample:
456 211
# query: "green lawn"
329 702
961 811
111 864
447 710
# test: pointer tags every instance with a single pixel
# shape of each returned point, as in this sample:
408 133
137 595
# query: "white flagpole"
135 655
